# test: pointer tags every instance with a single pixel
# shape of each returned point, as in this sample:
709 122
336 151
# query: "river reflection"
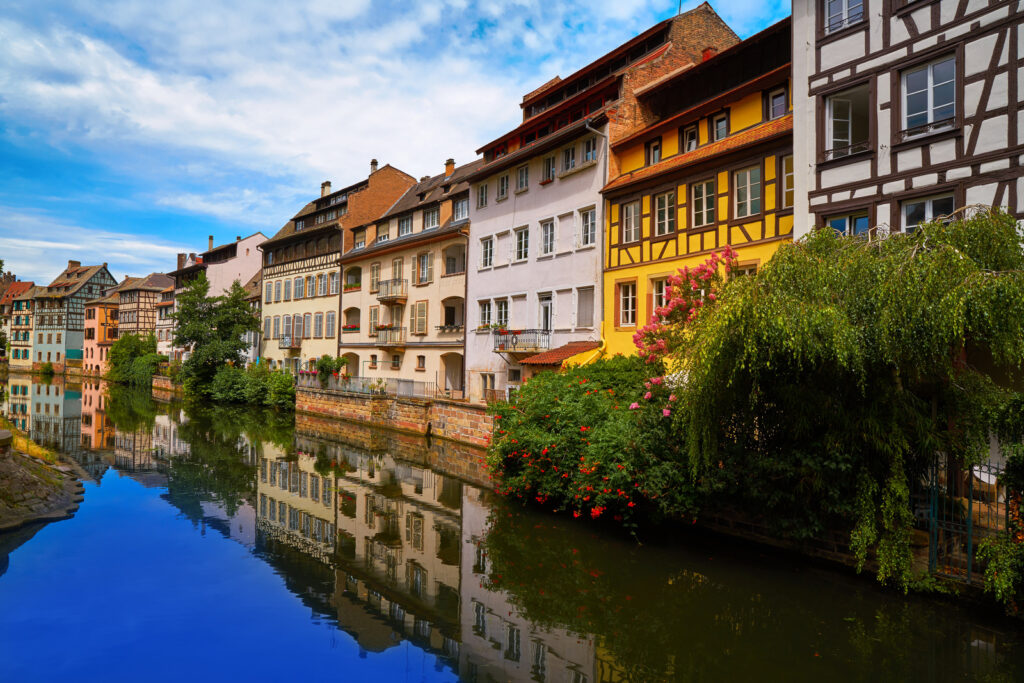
375 535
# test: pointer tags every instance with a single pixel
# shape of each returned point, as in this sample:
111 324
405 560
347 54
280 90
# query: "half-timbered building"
101 323
536 242
59 314
301 270
165 322
136 303
13 290
714 168
404 286
21 336
907 110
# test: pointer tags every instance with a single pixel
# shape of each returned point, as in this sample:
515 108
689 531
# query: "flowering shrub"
571 441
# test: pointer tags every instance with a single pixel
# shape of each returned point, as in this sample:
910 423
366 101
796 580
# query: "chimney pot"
373 165
238 238
211 244
325 188
449 167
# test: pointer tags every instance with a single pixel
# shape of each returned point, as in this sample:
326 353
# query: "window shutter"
430 267
618 305
421 317
412 319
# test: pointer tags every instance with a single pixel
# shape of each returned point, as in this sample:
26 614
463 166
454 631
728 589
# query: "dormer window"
300 224
652 151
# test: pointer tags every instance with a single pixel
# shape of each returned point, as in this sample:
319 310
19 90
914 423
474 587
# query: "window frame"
583 241
694 223
781 181
619 308
481 195
652 149
825 32
485 320
770 95
951 193
569 158
734 191
713 126
523 178
637 216
487 252
907 132
525 232
547 247
503 186
671 211
683 132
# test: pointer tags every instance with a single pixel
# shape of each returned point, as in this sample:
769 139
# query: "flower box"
352 288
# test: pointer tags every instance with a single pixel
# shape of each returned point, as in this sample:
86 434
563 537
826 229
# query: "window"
329 332
487 252
431 218
522 244
307 325
333 279
590 150
421 362
360 241
374 277
374 318
777 104
515 375
545 311
842 13
485 313
688 139
424 268
321 285
373 364
299 289
929 96
918 211
788 186
487 381
568 159
396 268
627 304
383 234
277 291
286 327
310 286
503 186
659 293
481 196
461 211
277 327
719 127
418 318
404 226
847 122
523 178
547 234
665 214
652 152
850 224
549 170
300 224
501 312
298 330
703 203
585 307
318 325
748 192
631 222
588 227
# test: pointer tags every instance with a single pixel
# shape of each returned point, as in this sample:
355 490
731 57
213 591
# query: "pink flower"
634 406
672 397
666 412
656 380
647 396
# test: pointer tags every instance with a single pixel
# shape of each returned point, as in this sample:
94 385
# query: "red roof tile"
765 131
557 356
16 289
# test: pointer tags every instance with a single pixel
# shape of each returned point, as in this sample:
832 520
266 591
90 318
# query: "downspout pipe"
599 351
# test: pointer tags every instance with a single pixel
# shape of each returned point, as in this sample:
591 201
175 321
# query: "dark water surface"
219 544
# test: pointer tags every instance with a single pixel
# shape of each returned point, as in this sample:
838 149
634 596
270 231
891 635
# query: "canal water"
229 544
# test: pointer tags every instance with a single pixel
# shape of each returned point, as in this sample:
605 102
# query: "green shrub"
257 385
133 360
47 369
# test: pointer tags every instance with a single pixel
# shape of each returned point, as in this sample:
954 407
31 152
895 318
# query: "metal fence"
522 341
379 386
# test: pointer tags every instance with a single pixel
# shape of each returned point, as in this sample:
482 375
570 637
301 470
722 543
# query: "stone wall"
164 389
32 490
456 420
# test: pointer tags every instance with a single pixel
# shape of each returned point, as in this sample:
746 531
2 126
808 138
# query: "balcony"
393 291
390 336
289 342
521 341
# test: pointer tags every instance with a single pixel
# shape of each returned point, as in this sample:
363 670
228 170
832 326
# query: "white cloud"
36 246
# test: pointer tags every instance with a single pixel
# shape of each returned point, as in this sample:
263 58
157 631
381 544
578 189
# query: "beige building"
301 273
404 287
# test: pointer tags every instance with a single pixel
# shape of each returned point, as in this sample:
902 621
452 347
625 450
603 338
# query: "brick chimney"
238 238
74 264
210 248
449 167
373 166
325 188
181 261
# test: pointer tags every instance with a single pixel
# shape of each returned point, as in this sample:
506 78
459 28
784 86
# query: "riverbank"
33 490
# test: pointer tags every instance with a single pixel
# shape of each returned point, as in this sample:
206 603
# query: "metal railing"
378 386
391 336
521 341
847 150
390 290
289 342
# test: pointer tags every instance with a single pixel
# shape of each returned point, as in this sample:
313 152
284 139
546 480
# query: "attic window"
446 188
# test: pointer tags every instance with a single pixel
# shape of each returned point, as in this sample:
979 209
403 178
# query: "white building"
905 110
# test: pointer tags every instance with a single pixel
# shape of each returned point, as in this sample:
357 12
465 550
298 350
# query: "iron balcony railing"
521 341
289 342
379 386
392 290
391 336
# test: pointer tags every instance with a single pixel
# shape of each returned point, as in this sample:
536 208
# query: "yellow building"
711 165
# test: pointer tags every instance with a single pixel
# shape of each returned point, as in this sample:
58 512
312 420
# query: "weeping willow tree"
823 387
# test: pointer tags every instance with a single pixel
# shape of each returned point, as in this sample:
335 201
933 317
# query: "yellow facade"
636 262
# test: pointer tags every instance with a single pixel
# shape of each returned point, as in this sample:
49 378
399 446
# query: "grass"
26 445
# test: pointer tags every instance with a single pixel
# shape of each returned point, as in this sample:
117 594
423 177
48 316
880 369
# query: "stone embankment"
32 490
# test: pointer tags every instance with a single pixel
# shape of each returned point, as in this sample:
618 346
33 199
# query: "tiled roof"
155 282
16 290
765 131
252 287
72 278
449 228
557 356
31 293
432 189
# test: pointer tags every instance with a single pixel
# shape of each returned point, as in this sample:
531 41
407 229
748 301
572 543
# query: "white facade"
535 256
905 110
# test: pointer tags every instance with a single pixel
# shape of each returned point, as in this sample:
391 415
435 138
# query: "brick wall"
461 422
383 189
164 389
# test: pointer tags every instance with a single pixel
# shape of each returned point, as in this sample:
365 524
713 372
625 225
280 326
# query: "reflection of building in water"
56 416
499 643
18 404
403 544
167 442
133 451
97 431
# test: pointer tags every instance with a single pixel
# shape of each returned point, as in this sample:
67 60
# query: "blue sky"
131 130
